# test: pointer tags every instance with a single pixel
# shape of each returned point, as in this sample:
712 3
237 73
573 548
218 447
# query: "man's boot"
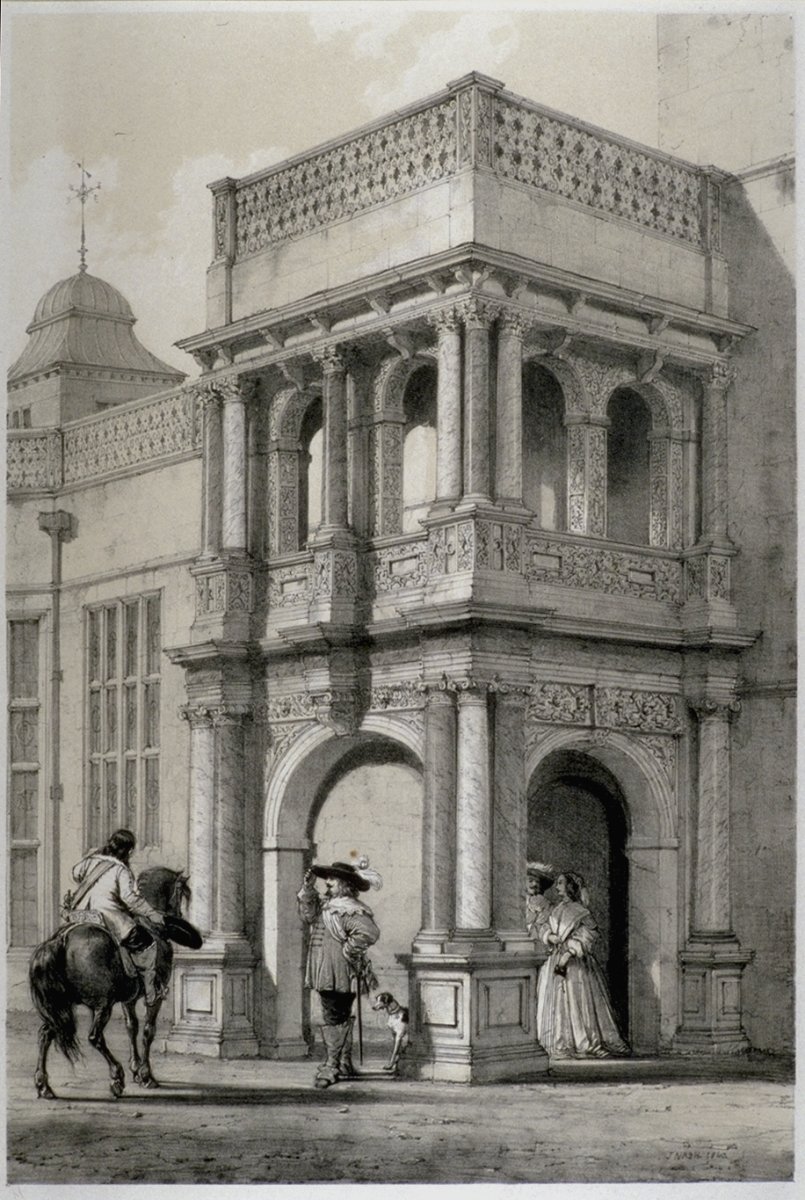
346 1067
328 1072
146 963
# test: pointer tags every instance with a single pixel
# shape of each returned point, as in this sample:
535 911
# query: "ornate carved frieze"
614 571
215 715
406 694
585 165
377 166
34 461
566 703
643 711
664 751
152 431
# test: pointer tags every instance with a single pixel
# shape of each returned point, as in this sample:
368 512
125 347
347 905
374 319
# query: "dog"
397 1023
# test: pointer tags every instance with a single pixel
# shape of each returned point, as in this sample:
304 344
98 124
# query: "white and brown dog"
396 1022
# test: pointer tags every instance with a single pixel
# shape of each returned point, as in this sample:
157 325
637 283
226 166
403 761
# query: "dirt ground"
262 1122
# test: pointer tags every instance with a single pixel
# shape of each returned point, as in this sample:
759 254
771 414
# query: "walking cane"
360 1019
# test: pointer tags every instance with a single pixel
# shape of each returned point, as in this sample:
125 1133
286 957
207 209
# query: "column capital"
331 359
477 313
445 320
198 716
710 708
514 324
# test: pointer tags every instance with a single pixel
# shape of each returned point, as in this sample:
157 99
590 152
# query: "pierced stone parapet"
34 460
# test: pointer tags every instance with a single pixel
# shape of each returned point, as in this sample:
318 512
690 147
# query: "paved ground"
262 1122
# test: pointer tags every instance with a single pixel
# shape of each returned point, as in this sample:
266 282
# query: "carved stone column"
714 454
478 318
335 487
666 467
210 400
448 408
473 812
439 818
233 516
587 474
712 962
214 986
510 813
283 992
509 422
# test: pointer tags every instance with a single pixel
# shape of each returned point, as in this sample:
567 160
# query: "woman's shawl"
574 925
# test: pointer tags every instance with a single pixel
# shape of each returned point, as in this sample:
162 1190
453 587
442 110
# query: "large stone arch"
292 790
646 775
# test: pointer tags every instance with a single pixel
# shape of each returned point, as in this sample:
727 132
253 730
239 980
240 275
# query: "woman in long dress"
574 1012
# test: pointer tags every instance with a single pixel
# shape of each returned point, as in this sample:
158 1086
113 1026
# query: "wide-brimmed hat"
540 870
182 932
361 877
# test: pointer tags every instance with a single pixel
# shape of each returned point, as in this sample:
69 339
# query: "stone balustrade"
473 123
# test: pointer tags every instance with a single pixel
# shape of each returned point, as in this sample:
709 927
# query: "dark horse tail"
53 1000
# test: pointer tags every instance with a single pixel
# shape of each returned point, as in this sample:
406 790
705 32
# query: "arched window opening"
628 490
311 468
544 448
419 448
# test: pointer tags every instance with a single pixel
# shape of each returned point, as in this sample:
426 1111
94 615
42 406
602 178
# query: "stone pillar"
439 818
201 861
509 421
586 474
510 814
712 961
334 483
473 812
448 408
214 986
477 320
714 454
712 911
210 400
283 992
233 517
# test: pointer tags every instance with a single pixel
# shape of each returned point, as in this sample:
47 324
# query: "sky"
159 100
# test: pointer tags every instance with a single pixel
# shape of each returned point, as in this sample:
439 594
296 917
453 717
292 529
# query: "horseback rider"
108 895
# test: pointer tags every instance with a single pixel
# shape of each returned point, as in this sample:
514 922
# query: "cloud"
158 259
479 41
370 32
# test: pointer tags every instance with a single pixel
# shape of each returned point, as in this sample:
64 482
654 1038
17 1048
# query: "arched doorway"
577 821
327 797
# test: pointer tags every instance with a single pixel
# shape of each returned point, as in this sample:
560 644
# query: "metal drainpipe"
59 527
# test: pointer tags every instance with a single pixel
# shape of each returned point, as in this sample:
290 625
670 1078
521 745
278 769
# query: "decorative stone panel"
34 460
292 584
394 568
146 433
617 572
335 574
381 165
586 166
707 577
224 590
643 711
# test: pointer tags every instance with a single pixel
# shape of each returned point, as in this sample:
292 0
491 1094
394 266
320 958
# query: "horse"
81 964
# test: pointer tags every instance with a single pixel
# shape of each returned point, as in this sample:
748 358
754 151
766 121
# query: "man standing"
342 928
108 895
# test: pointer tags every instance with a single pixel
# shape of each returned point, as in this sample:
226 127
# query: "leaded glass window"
124 647
25 776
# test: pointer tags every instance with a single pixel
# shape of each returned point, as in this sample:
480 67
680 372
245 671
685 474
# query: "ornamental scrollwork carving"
616 572
566 703
34 461
624 708
663 750
395 568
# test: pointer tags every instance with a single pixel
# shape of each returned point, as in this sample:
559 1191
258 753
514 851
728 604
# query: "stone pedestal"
711 997
213 1000
473 1014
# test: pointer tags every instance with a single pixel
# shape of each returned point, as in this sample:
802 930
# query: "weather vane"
83 193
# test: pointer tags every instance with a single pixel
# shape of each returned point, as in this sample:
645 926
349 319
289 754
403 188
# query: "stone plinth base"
213 1001
711 998
473 1015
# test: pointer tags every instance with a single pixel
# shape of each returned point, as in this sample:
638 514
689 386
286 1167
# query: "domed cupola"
82 356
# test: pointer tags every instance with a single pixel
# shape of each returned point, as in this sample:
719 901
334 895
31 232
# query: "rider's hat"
361 877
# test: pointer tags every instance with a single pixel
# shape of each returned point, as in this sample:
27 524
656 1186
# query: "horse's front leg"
149 1029
133 1030
100 1019
43 1088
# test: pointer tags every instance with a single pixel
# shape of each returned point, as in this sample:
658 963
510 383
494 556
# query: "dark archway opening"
577 821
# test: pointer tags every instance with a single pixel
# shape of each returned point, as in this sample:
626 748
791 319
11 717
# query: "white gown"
574 1012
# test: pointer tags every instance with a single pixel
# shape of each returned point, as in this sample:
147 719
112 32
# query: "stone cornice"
286 333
